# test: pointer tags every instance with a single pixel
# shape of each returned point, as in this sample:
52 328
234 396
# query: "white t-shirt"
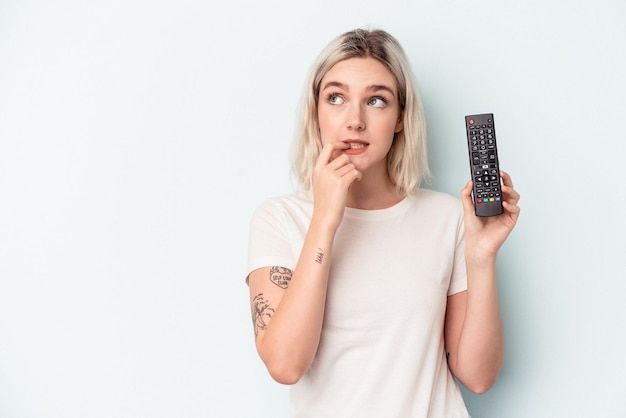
381 352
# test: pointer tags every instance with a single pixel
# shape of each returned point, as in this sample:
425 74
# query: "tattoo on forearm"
261 313
280 276
320 256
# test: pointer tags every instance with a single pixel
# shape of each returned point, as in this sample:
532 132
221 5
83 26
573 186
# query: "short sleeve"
269 239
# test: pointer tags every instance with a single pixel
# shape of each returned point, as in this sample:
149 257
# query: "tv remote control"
484 165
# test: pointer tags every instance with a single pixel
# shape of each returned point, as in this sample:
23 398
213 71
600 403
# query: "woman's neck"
370 195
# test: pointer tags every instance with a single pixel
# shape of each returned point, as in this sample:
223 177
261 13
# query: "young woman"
369 293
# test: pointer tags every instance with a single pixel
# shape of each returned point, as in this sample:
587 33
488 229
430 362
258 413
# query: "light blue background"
137 137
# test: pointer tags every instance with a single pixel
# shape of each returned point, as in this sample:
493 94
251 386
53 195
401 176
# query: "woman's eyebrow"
336 84
382 87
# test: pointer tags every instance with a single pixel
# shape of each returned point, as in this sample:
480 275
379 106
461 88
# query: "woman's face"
358 105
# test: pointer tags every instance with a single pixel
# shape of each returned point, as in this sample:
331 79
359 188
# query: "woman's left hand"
487 234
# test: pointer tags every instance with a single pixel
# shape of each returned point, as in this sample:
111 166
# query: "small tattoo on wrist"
320 256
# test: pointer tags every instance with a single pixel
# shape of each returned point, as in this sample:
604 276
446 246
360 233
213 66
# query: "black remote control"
484 165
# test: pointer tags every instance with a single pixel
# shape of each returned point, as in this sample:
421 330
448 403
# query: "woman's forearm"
481 344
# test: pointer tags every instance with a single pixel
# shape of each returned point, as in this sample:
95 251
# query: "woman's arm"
288 318
288 322
473 330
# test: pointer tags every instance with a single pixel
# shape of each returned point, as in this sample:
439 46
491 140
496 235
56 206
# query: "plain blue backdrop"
137 137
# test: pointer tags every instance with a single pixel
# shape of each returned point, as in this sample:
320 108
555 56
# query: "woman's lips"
355 147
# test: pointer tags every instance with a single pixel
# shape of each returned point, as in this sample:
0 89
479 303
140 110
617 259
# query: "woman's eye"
377 102
335 99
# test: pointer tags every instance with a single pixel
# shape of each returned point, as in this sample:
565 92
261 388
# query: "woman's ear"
400 123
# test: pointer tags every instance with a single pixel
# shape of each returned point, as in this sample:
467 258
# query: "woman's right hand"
332 176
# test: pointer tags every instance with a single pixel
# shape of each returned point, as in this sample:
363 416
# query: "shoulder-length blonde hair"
407 160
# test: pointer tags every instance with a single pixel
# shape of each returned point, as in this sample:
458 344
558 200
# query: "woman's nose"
356 119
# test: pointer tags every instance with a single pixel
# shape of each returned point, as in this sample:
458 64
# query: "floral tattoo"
261 313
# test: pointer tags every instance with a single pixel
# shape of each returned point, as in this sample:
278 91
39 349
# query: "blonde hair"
407 160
